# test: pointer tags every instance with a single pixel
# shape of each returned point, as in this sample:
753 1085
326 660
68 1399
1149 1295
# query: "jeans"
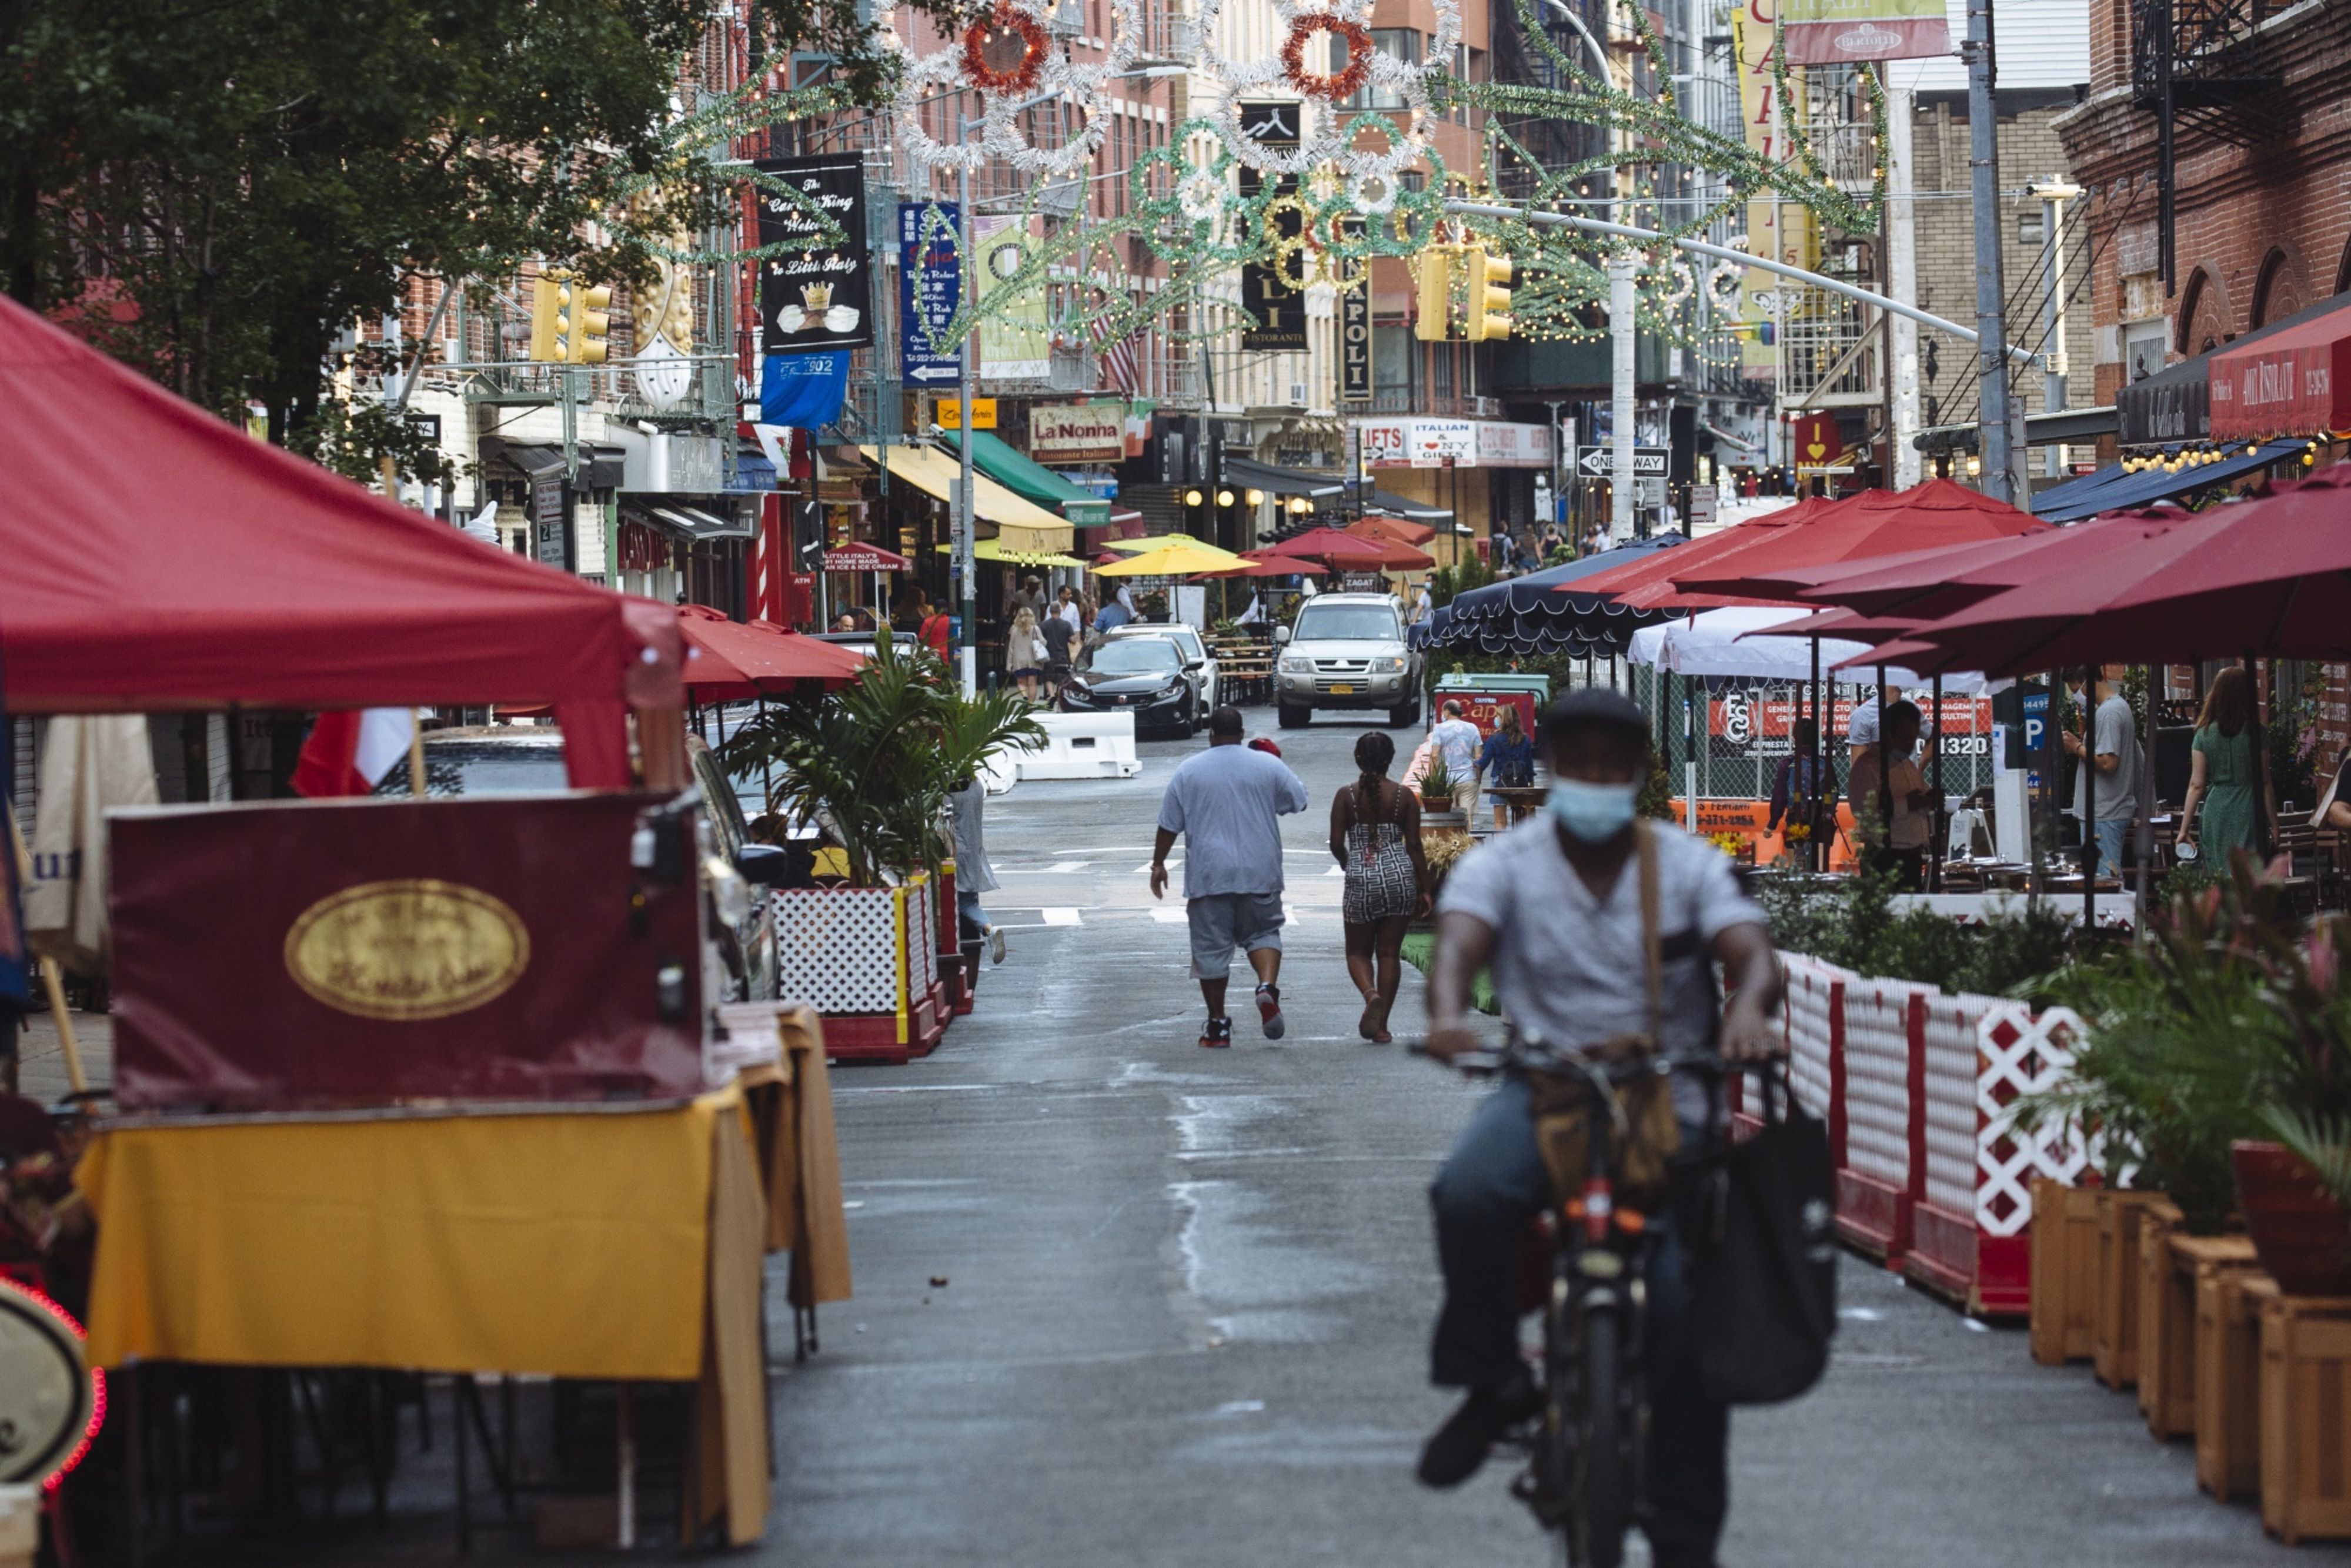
1493 1183
971 920
2112 832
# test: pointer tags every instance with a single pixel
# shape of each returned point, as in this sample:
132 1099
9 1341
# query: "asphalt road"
1189 1292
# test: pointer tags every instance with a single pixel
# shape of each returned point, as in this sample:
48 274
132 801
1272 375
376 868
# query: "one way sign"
1600 462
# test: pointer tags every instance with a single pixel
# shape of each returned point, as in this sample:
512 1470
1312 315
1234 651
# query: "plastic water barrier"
1915 1086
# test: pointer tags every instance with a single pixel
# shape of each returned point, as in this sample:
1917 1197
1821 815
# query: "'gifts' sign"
329 952
1078 432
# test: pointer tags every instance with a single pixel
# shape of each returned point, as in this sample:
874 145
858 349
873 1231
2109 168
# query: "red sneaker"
1268 1011
1217 1035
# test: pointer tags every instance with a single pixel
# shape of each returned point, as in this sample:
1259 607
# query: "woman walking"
1375 837
2228 773
1508 761
1024 652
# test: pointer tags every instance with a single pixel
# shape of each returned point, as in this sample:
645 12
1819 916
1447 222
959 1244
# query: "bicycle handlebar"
1527 1050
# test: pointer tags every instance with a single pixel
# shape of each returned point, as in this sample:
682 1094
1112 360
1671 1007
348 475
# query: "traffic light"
1435 267
591 320
1488 314
569 320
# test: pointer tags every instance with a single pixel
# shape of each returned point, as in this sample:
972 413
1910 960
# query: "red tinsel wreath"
1329 86
989 31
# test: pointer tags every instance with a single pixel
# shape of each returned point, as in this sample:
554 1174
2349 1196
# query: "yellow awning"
1023 528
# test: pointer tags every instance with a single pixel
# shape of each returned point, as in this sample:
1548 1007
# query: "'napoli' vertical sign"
816 290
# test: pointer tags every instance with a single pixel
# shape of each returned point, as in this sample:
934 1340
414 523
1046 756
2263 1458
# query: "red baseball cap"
1262 744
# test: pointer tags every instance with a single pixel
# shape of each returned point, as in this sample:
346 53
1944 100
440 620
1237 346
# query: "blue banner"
804 391
930 291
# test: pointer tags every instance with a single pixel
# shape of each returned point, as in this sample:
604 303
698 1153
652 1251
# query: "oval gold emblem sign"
414 948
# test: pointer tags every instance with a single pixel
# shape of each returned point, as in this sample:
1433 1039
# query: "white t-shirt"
1457 741
1569 965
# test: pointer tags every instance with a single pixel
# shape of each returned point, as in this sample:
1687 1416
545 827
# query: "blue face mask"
1592 812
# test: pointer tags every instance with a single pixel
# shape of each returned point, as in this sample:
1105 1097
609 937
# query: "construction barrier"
1915 1085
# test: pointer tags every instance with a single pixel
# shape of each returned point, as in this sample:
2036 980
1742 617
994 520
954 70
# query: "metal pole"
1620 402
1885 773
963 591
2054 366
2090 867
1936 846
1815 853
2002 475
1724 252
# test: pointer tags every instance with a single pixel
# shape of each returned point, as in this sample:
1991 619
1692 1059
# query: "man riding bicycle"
1554 909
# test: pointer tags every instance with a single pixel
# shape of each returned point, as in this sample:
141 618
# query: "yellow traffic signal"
590 320
547 323
1489 304
1435 269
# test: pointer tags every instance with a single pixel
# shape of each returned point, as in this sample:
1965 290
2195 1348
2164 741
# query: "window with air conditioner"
1398 43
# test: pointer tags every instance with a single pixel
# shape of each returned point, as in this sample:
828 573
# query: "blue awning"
2153 484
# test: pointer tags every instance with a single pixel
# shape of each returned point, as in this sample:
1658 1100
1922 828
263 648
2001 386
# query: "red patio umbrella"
1635 582
2270 577
726 659
1391 530
1921 585
1341 551
1876 523
1256 567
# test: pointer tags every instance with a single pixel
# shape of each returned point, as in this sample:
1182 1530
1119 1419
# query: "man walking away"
2106 787
1225 801
1456 740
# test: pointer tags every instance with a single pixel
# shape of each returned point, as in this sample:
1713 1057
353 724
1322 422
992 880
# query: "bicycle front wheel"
1603 1503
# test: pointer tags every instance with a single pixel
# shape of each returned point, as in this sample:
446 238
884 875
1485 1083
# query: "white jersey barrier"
1915 1085
1083 746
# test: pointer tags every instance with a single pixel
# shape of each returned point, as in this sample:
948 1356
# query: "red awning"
2294 382
158 558
1343 551
865 557
1655 570
728 659
1875 523
1393 530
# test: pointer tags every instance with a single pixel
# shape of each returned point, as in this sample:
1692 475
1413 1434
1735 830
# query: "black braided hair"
1374 752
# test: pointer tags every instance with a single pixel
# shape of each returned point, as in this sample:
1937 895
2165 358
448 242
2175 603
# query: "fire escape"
2194 63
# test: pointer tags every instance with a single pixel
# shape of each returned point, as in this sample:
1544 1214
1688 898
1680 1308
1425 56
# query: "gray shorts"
1224 921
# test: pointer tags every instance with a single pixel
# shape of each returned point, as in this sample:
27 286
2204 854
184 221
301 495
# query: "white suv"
1346 650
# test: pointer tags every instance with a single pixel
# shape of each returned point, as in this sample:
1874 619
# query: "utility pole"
1621 325
1998 426
963 586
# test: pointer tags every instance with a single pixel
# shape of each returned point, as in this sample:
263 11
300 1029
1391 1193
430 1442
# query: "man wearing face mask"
1553 908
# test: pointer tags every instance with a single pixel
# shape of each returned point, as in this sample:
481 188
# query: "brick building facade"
1944 247
2262 231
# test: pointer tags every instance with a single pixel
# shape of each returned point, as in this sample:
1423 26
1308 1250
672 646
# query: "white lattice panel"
1950 1090
1811 988
2018 1053
923 933
1878 1078
837 949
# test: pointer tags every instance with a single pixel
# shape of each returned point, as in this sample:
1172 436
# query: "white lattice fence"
922 936
837 949
2021 1053
1878 1078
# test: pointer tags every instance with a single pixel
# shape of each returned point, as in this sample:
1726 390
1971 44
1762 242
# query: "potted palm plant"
872 765
1437 786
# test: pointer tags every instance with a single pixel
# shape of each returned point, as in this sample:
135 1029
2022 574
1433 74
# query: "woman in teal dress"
2228 773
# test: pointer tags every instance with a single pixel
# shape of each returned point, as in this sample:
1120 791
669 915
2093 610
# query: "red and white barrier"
1915 1085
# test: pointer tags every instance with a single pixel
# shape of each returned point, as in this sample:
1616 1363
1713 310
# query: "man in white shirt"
1226 802
1456 740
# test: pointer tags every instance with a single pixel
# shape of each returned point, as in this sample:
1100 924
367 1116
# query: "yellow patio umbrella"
1149 541
1178 554
992 550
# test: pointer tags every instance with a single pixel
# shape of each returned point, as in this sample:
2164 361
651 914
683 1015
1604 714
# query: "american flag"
1120 366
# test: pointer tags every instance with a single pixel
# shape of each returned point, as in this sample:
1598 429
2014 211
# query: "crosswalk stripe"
1061 916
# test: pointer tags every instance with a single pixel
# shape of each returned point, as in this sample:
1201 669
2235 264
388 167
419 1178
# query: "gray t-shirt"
1225 801
1569 965
2118 791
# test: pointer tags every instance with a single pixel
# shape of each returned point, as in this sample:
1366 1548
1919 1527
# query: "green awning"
1027 478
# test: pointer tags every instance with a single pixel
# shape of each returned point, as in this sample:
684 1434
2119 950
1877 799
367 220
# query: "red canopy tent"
1391 530
728 659
160 559
1341 551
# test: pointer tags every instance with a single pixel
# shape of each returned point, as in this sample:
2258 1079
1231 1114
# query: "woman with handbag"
1508 760
1375 837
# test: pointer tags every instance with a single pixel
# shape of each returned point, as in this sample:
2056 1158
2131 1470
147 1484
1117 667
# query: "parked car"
1148 676
1346 650
526 759
1198 657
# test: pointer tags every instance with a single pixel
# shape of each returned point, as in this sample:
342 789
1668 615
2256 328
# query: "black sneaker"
1268 1011
1217 1035
1456 1448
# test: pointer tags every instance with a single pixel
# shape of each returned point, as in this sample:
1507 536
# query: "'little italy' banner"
1838 32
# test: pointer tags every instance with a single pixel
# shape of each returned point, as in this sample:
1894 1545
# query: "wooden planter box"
867 958
2305 1416
2114 1351
2229 1381
2064 1272
2174 1267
